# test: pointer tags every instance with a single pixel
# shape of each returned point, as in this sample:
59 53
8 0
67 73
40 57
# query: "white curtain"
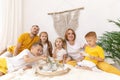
11 22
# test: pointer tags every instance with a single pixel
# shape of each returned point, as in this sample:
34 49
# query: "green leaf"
110 41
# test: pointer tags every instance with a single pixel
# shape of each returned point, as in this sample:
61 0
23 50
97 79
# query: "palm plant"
110 41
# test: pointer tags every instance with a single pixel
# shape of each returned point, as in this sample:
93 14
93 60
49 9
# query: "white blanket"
73 74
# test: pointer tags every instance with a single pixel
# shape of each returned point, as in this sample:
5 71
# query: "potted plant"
110 41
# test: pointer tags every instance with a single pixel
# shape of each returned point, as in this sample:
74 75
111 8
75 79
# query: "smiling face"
70 35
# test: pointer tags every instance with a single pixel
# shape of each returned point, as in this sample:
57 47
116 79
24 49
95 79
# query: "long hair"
48 43
66 34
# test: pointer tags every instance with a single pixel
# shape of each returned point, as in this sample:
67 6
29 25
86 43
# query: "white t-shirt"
74 50
60 53
45 49
17 62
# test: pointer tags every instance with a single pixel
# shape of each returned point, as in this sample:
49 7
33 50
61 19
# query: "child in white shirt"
23 60
47 46
59 51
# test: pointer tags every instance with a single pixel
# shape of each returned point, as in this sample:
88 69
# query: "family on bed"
30 48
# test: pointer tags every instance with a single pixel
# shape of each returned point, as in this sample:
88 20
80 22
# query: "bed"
73 74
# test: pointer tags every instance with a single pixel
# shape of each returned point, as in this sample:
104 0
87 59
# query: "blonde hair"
91 34
63 41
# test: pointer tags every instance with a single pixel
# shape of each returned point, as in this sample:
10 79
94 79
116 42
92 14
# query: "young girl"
47 46
59 50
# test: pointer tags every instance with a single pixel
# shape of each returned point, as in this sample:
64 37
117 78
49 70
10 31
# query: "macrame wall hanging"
65 19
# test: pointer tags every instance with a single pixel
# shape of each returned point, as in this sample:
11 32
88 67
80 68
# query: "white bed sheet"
74 74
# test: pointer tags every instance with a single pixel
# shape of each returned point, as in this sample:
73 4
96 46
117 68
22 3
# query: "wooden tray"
55 73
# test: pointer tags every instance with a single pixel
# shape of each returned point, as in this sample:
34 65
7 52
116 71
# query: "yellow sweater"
26 42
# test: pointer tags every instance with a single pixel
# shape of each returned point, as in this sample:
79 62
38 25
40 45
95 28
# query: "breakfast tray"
54 73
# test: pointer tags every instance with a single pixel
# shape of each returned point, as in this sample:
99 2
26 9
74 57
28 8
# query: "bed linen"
73 74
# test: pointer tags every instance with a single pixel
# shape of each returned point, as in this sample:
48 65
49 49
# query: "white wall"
92 18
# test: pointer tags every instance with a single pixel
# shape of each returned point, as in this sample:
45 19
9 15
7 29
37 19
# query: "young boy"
24 60
95 56
94 52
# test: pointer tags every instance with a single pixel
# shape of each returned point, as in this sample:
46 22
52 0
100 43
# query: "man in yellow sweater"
95 56
24 41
